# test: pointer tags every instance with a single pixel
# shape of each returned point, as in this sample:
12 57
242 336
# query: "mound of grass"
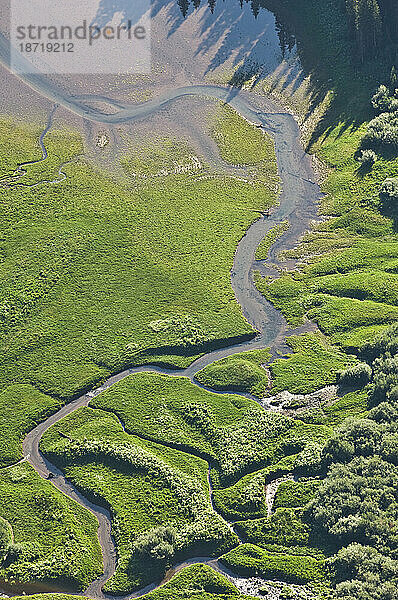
246 499
55 539
146 486
313 365
197 580
21 408
241 372
251 560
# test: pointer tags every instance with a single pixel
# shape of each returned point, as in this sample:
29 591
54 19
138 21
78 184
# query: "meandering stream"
297 203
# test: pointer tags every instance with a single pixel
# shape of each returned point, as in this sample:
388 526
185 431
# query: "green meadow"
101 272
54 540
98 275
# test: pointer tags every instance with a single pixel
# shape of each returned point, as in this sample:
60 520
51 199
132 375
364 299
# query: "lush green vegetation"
50 538
246 498
285 527
313 365
347 279
21 408
67 248
292 494
243 372
356 504
249 559
233 432
22 139
158 496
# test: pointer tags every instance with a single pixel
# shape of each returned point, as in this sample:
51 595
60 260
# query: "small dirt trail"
298 204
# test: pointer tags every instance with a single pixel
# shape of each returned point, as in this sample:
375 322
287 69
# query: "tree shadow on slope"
265 36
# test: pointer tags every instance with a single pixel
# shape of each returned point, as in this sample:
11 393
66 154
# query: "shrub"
382 101
358 375
389 189
158 544
383 131
367 158
14 552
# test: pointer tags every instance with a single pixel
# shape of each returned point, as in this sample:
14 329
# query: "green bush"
383 131
383 101
367 158
157 544
357 375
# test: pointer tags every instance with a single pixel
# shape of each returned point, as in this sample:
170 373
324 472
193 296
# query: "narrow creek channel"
298 204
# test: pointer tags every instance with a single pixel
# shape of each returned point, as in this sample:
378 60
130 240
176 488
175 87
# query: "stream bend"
298 204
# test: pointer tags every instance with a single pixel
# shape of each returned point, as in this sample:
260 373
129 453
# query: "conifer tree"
184 6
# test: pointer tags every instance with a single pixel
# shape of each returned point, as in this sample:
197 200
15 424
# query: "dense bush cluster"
357 375
389 190
357 503
383 129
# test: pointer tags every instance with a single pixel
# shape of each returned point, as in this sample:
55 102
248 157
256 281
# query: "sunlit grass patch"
240 372
55 539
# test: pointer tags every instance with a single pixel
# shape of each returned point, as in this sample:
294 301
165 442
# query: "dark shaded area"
343 53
